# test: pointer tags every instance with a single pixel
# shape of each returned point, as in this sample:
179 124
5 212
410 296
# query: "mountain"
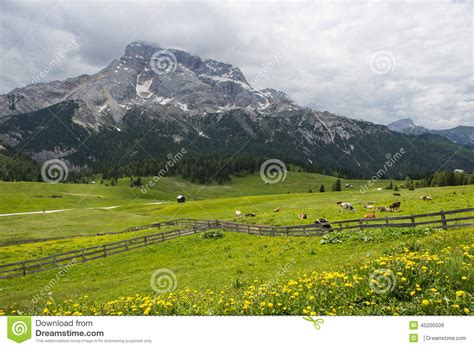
152 102
193 86
407 126
463 135
458 135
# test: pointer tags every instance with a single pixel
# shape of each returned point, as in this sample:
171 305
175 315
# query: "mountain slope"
459 135
463 135
407 126
132 110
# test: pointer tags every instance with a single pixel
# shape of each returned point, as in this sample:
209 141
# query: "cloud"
375 60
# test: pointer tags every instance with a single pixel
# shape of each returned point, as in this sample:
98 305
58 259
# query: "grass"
131 211
28 251
235 262
26 196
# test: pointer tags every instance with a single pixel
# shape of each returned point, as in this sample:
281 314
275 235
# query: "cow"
276 210
395 206
302 216
369 216
238 214
250 215
367 206
323 223
384 209
346 206
426 198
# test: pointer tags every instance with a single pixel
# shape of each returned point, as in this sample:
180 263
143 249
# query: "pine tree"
337 185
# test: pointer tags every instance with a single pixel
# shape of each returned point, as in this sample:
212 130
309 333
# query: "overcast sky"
375 60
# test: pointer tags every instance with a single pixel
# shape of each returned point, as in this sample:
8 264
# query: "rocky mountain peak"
407 126
151 76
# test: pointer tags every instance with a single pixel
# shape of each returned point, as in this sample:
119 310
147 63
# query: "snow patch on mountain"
143 89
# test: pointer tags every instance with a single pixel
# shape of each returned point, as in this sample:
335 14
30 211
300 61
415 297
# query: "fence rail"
441 219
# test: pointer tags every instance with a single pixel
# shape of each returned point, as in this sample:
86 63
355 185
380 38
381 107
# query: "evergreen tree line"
19 169
202 170
446 178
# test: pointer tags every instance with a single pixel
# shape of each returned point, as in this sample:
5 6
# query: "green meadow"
231 263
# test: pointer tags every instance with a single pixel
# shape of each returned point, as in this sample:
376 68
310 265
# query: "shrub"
334 237
376 235
212 234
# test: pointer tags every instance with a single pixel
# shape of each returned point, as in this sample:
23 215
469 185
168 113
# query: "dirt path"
61 210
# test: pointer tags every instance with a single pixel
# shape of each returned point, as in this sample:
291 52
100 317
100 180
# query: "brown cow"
369 216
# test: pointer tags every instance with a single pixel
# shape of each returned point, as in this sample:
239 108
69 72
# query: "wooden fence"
443 219
131 229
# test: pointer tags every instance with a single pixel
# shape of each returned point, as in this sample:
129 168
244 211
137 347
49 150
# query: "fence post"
412 218
340 227
24 268
105 251
145 240
443 220
361 225
126 244
83 256
54 261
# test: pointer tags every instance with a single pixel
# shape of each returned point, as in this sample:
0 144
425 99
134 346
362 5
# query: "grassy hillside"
83 220
235 263
32 196
218 275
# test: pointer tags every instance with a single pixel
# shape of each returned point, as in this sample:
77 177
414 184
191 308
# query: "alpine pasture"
429 270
